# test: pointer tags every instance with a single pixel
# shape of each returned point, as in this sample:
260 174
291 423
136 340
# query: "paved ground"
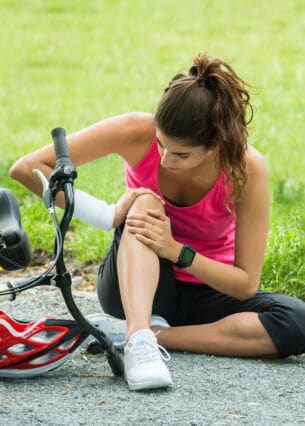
207 390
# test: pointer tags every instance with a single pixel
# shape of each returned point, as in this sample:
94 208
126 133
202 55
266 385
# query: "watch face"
188 255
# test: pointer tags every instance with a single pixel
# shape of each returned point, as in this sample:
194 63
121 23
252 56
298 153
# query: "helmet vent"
45 336
20 349
44 358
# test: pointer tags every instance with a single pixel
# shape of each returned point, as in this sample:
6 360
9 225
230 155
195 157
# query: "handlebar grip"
61 147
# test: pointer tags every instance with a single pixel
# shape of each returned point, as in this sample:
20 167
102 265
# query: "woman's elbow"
22 172
19 170
249 292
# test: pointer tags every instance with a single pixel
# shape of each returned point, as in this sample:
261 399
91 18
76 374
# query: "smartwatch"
186 257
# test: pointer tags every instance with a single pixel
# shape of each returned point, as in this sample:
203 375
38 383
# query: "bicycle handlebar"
15 254
61 148
64 170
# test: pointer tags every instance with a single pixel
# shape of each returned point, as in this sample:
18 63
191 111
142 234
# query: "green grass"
71 63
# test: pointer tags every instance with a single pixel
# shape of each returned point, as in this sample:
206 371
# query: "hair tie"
201 78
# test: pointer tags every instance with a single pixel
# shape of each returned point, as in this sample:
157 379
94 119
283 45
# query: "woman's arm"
241 280
127 135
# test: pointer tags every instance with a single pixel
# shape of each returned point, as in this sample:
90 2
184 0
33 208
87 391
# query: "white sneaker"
143 360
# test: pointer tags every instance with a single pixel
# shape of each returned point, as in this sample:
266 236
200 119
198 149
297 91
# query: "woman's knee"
144 202
284 321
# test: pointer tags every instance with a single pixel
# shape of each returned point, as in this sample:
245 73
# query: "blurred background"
71 63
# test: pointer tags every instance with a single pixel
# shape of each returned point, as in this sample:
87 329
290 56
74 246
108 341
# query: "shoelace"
147 349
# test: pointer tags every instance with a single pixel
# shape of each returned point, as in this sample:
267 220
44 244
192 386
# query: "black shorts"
183 303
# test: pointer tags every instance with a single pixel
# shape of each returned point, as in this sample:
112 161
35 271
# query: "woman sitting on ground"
194 259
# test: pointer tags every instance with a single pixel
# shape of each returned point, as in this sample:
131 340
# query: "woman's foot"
143 361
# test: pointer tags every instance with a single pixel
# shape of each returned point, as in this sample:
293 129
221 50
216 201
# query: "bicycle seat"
15 249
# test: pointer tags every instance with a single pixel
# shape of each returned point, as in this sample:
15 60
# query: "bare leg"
138 272
239 334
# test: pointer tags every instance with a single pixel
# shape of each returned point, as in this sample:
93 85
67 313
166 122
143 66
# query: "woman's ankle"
131 329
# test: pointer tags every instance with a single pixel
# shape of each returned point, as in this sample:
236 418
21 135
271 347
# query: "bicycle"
32 348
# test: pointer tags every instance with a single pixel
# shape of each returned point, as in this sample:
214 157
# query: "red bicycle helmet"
29 349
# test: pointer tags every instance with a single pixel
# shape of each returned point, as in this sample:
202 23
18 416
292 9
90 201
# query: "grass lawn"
71 63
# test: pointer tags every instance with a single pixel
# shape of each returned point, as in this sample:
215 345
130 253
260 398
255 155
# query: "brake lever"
46 191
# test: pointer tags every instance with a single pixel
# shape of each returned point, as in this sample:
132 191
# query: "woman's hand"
154 230
125 202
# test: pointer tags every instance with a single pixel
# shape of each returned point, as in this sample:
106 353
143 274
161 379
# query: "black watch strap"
186 257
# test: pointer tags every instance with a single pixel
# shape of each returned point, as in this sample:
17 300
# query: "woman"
194 260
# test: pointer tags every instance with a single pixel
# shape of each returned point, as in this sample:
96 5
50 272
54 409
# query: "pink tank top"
207 226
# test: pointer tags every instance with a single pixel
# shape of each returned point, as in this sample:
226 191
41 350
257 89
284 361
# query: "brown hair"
208 107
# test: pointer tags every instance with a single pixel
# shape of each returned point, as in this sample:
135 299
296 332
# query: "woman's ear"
213 150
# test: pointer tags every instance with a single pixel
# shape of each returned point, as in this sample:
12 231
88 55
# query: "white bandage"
93 211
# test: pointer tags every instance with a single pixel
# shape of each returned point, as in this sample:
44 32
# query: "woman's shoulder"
139 124
257 178
256 163
140 131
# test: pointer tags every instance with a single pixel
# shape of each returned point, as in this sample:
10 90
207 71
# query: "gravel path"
207 390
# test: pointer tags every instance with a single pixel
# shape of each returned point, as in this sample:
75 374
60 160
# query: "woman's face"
177 156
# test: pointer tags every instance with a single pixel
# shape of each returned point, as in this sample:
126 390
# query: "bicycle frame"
29 349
